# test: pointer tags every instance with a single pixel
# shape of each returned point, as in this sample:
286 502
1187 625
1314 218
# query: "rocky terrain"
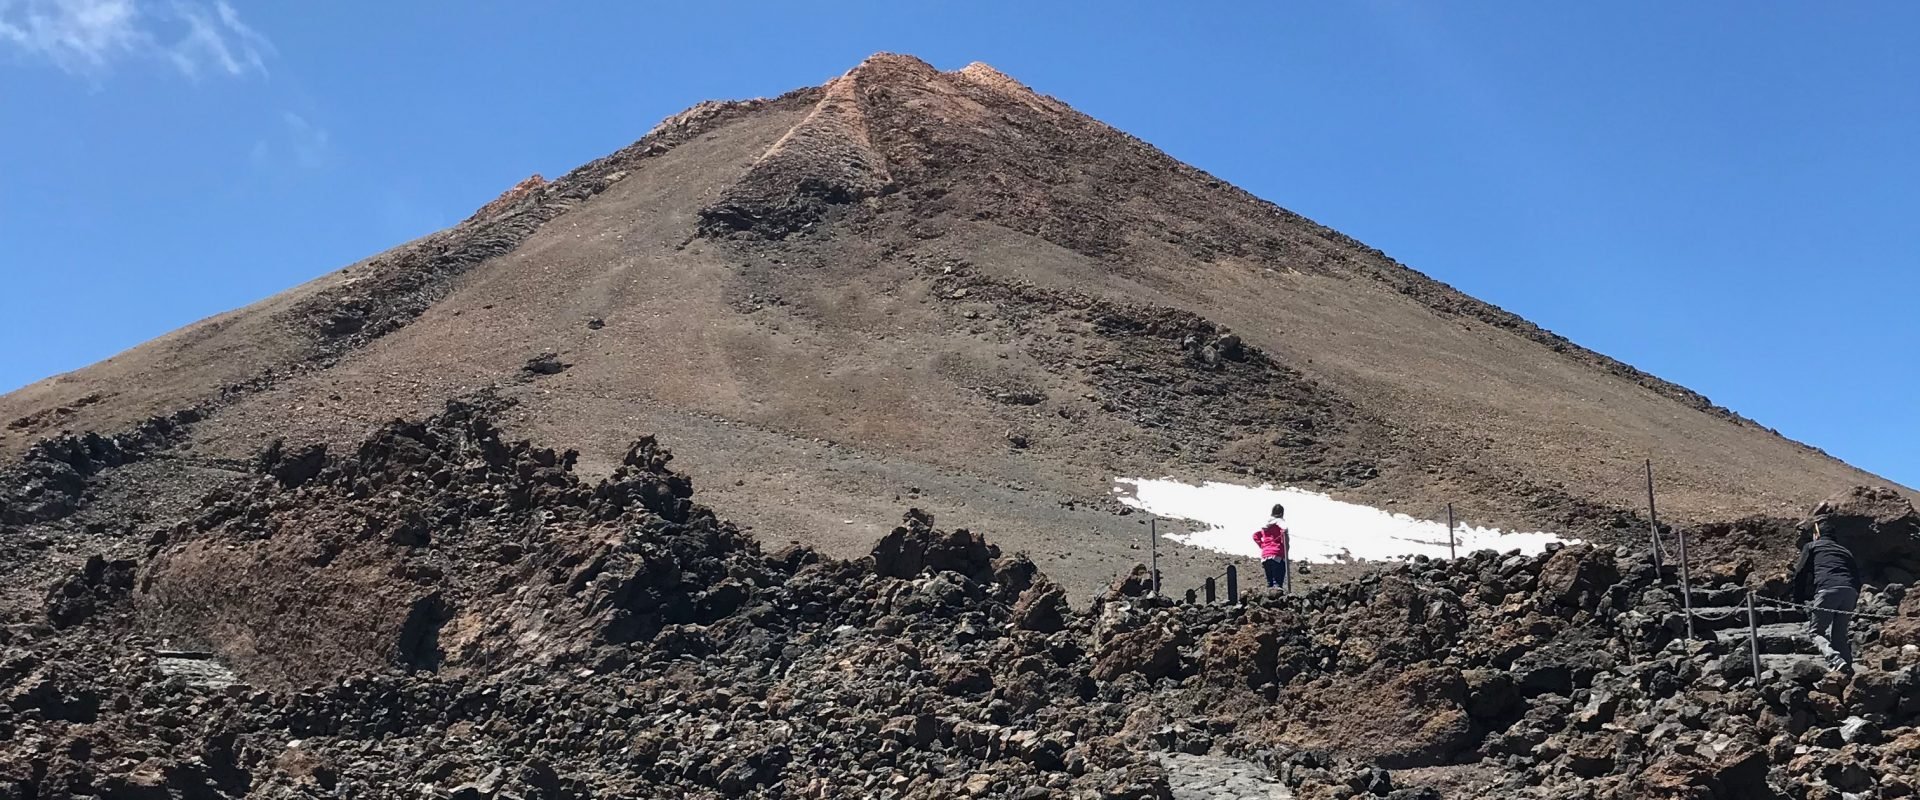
442 612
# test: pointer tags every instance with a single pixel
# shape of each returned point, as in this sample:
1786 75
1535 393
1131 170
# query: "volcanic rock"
1151 652
1878 524
1042 607
100 583
915 546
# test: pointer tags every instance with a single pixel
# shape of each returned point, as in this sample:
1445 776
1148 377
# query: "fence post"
1153 550
1753 638
1686 585
1653 523
1191 597
1210 590
1451 555
1233 584
1653 529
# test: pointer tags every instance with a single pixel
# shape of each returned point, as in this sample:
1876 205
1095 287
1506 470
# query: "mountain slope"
944 289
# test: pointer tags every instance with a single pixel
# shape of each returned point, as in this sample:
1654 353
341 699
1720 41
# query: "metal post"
1653 526
1191 597
1153 550
1686 585
1210 590
1233 584
1753 638
1451 555
1653 521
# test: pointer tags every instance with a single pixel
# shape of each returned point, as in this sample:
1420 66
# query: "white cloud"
91 37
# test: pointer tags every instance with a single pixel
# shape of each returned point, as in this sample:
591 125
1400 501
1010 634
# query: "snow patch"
1323 529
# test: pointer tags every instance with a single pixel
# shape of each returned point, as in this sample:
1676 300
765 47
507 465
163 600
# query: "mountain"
927 288
415 529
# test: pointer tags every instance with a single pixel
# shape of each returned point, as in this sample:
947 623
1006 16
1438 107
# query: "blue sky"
1722 193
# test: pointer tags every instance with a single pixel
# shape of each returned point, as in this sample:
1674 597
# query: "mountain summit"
916 287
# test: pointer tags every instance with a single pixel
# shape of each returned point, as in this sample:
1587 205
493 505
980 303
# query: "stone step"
1718 596
1784 638
196 669
1803 669
1716 618
1208 777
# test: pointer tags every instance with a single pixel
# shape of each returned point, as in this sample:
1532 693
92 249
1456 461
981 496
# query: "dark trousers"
1828 620
1276 569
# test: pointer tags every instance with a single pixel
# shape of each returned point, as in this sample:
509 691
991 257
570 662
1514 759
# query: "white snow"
1323 529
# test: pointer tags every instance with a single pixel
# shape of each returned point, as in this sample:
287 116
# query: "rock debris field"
444 613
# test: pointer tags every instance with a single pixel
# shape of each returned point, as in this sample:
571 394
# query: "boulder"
1042 607
1878 525
1245 654
292 469
1138 582
98 584
1677 776
1492 700
1395 718
1577 578
1591 756
1153 652
1740 772
1873 692
1904 630
915 546
1013 575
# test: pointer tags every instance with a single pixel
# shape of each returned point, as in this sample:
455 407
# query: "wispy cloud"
308 142
300 143
217 40
90 38
79 36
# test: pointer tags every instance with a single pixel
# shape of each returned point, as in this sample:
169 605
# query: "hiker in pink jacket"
1272 539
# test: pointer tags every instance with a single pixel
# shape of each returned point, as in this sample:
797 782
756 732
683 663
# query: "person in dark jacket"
1827 577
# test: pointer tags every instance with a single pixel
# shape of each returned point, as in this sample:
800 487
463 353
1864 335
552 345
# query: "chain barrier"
1748 607
1778 603
1196 591
1610 494
1736 610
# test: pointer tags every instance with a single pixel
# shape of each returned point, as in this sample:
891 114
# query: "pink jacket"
1272 540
